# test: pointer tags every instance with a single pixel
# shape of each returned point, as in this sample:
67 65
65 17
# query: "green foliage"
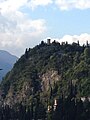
24 83
71 61
87 52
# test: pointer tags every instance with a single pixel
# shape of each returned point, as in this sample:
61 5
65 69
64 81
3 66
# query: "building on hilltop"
48 41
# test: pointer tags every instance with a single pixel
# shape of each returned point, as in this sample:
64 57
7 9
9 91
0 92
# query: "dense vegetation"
24 86
66 110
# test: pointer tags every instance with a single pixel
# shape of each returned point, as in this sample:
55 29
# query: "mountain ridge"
7 61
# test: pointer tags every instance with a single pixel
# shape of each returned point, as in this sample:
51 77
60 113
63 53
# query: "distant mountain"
6 62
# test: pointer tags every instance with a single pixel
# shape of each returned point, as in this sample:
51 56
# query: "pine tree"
26 53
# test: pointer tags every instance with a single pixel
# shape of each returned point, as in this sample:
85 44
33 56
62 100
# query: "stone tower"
48 41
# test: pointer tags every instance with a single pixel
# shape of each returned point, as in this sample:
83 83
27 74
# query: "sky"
25 23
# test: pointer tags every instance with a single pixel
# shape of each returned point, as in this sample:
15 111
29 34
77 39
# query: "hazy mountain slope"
6 62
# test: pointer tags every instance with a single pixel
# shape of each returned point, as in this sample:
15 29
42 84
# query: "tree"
26 53
87 52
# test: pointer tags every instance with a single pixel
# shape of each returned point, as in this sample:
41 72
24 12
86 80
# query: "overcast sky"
24 23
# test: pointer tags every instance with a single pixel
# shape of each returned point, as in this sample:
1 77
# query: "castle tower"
48 41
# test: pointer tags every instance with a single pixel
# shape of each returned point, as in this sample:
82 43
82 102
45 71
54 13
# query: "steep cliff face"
49 79
47 70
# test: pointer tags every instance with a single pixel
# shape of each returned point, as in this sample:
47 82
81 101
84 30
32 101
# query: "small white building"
49 108
84 98
55 105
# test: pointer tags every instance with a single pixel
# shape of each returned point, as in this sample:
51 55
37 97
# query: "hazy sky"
24 23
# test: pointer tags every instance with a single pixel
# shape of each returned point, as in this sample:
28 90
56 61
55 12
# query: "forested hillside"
50 74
